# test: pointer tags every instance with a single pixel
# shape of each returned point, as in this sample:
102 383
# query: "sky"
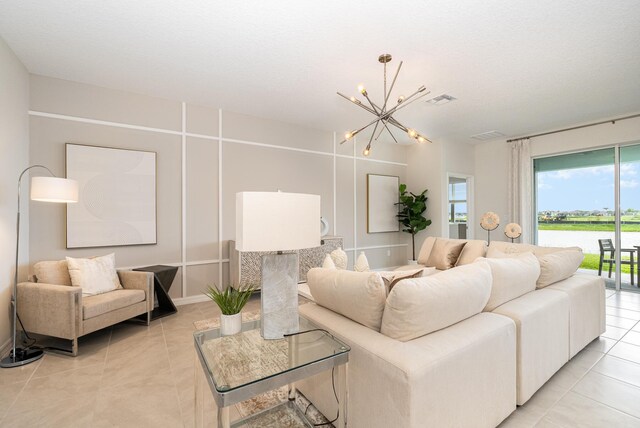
588 189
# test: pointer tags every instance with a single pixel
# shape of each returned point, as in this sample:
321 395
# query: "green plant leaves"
231 300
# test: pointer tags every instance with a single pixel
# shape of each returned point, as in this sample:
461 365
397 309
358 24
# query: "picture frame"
382 197
117 202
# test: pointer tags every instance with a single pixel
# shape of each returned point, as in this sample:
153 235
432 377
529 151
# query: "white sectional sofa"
460 347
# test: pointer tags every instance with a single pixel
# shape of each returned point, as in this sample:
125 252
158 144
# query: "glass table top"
246 358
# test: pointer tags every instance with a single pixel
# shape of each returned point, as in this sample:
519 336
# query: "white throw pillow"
328 263
359 296
557 266
513 276
416 307
96 275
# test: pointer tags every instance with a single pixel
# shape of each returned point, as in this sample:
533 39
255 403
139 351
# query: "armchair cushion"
52 272
93 306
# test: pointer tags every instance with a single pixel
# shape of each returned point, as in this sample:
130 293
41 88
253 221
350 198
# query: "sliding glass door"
576 196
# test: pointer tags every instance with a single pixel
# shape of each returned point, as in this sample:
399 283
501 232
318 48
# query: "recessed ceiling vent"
490 135
441 99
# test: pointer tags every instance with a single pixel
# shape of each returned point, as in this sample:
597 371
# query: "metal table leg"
223 417
343 395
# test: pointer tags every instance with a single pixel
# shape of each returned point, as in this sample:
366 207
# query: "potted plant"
230 301
411 216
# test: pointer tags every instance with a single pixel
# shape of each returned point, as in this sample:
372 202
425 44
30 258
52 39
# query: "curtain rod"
612 121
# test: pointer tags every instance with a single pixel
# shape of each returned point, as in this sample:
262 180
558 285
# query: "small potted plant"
230 301
411 216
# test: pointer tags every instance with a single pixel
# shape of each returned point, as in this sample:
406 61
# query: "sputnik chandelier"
384 114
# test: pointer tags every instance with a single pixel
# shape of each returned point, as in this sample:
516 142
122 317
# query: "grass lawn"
591 261
592 227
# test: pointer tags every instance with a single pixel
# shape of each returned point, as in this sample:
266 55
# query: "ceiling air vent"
441 99
490 135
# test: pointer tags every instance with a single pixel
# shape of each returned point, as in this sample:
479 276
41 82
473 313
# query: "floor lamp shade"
275 221
54 189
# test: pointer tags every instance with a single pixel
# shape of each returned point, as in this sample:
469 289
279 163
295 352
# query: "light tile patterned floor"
136 376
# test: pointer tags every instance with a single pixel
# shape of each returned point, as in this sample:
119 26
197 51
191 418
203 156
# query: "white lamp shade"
277 221
54 189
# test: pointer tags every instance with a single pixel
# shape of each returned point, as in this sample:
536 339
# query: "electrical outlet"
388 253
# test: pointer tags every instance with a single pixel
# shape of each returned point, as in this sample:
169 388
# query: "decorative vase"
230 324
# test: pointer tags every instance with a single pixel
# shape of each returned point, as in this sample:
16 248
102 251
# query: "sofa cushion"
509 247
95 276
359 296
425 250
559 265
473 249
511 278
416 307
93 306
445 253
52 272
391 278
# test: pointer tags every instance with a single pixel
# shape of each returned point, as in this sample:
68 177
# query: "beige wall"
253 154
14 157
491 161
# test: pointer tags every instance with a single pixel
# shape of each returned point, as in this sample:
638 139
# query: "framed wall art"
382 195
117 197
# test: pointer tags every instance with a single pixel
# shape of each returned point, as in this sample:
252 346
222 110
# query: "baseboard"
179 301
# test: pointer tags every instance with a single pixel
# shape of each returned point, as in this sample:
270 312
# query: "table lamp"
277 221
45 189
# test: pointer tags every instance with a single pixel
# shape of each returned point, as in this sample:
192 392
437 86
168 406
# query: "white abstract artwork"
117 200
382 195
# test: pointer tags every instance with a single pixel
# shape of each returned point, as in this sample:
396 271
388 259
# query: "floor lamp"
277 222
45 189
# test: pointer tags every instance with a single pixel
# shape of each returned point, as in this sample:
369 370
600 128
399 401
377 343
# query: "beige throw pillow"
52 272
359 296
557 266
445 253
419 306
512 276
391 278
96 275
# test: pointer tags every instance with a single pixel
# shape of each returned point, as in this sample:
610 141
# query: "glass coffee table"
244 365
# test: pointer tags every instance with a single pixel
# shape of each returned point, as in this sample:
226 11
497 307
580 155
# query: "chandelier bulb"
353 99
421 139
412 133
362 89
348 135
367 150
400 99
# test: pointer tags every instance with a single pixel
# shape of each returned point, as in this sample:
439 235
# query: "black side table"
163 277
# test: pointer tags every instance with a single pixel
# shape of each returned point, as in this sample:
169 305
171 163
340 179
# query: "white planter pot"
230 324
412 262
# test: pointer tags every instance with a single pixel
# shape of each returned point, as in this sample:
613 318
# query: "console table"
163 277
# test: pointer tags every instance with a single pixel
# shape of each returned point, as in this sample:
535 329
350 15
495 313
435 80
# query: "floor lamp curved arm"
45 189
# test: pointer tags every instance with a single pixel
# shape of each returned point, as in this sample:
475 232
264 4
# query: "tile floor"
137 376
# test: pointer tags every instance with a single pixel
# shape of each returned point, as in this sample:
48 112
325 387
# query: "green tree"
411 216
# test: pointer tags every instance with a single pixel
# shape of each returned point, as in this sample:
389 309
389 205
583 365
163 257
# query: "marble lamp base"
279 295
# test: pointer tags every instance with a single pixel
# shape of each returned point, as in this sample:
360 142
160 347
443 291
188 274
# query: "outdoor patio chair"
606 246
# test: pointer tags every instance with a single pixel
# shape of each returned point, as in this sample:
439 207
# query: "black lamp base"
22 357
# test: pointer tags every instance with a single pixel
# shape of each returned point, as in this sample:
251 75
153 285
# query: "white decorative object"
362 264
95 276
512 231
276 221
118 203
412 262
328 263
324 226
382 197
520 187
489 221
230 324
340 258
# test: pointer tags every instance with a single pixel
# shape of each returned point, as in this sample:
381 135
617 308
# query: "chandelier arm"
357 131
405 103
373 133
357 103
393 82
398 125
378 112
390 133
379 133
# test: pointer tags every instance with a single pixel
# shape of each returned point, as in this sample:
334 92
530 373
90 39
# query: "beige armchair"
53 307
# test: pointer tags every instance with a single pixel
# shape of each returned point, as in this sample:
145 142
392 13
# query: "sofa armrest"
49 309
135 280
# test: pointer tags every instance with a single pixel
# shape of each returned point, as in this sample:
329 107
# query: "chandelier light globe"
383 112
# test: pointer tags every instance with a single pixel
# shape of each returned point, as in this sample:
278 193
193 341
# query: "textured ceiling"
517 66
